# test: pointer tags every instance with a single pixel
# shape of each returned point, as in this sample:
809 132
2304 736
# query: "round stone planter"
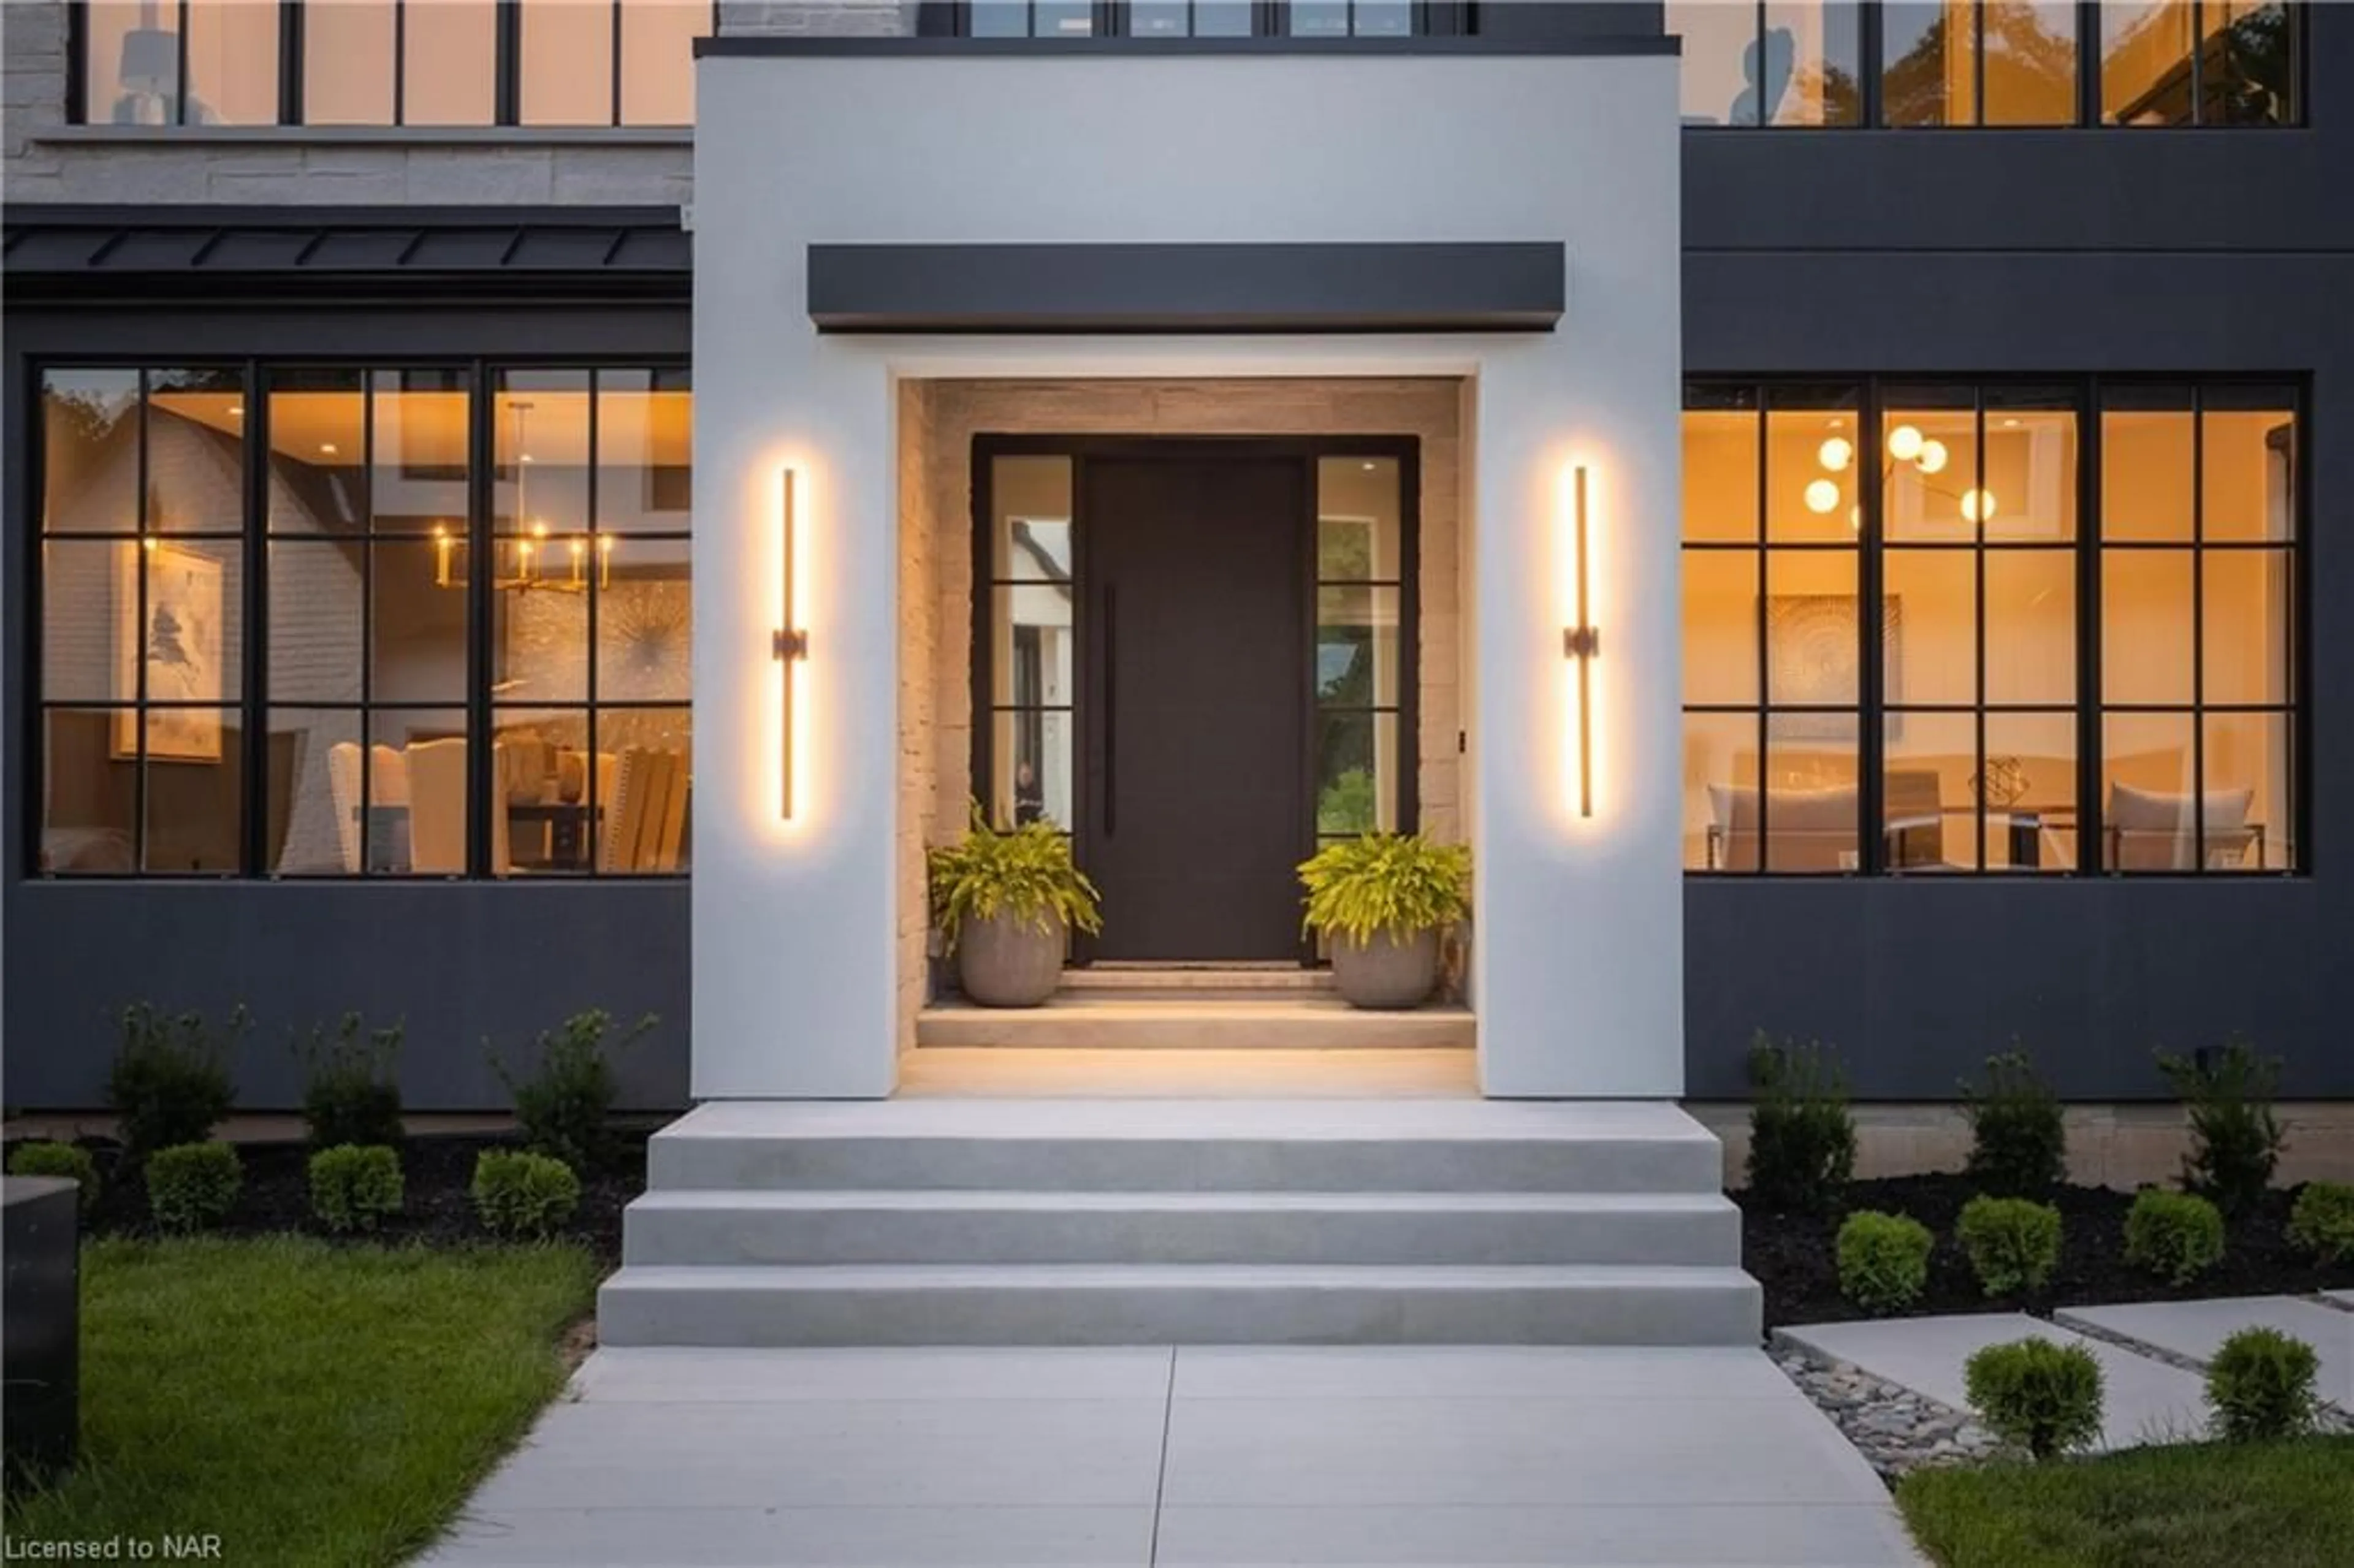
1004 961
1388 971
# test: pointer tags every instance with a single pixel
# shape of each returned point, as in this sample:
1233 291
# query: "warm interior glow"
1835 454
1904 443
1933 457
1823 496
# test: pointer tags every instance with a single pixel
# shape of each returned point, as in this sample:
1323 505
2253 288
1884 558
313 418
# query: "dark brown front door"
1196 599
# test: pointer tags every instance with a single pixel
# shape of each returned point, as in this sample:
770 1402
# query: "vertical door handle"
1110 707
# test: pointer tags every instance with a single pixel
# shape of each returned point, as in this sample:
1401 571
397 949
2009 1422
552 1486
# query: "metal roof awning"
1348 287
55 253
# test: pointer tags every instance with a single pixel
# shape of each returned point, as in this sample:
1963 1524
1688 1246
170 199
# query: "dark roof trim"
1616 44
1155 288
66 254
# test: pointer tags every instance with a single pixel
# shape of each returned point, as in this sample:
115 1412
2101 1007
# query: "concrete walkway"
1392 1455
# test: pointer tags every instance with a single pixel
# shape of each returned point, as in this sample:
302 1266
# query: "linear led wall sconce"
1582 641
788 643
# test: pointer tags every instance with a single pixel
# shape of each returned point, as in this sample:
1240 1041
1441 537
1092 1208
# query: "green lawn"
2284 1505
308 1403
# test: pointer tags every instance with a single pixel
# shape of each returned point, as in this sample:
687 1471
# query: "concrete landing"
1006 1072
1213 1456
2145 1401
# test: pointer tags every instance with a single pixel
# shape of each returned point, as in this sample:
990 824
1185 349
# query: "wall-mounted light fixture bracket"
788 644
1582 642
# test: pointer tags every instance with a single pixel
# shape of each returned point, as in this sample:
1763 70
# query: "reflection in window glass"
132 52
1928 73
566 67
1993 63
1813 63
1033 647
2031 62
2240 72
1358 673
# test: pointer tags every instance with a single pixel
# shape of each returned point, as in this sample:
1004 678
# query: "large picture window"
387 62
341 601
1190 18
1910 63
2069 663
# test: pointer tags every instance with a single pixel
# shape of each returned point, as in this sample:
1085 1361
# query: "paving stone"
2146 1401
2198 1329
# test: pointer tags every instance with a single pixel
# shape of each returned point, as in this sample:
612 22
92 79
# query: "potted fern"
1381 902
1005 904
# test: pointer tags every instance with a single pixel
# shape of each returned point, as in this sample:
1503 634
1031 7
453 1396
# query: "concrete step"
1306 1019
1179 982
1179 1145
1177 1304
1037 1227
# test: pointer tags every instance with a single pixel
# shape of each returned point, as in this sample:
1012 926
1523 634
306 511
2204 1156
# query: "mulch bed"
439 1208
1795 1256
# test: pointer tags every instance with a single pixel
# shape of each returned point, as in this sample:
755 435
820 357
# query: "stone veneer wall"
919 706
44 160
940 420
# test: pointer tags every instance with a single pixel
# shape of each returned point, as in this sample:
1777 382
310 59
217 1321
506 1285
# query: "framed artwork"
179 641
1814 656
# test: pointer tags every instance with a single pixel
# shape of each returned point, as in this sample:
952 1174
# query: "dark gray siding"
2066 251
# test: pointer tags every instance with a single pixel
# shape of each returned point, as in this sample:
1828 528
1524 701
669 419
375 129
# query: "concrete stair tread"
1049 1201
1286 1020
1051 1120
1172 1275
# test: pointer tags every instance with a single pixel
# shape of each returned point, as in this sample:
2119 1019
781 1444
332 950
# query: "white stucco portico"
799 964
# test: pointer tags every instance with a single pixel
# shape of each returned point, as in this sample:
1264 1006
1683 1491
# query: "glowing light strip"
787 643
1582 642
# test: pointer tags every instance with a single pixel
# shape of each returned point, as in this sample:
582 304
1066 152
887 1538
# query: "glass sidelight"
1359 671
1033 663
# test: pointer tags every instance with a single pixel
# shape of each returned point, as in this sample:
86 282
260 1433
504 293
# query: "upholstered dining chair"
2152 831
437 809
1808 829
388 785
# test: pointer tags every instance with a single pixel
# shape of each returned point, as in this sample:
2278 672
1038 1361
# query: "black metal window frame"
1871 35
507 70
2088 549
1269 19
252 700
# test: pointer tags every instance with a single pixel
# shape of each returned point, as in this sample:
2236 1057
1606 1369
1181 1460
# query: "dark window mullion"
2088 77
255 543
507 86
482 548
180 91
1872 579
400 62
1871 37
616 7
1979 587
290 62
2198 592
139 650
365 808
2091 806
1764 651
595 592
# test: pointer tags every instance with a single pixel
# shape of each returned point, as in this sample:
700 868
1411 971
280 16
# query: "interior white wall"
1579 969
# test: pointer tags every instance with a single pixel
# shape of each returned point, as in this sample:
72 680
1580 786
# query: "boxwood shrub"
2322 1220
518 1193
2044 1397
2177 1236
353 1186
2014 1243
2260 1386
193 1186
1884 1260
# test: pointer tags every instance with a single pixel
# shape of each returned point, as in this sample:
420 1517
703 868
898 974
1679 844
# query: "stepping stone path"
2146 1401
1895 1386
2196 1329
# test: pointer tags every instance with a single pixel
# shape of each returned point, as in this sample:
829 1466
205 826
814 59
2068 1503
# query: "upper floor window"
389 62
363 620
1193 18
2083 655
1908 63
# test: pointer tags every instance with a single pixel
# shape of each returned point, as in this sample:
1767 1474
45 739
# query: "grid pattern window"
1913 63
1361 618
2083 648
301 682
387 62
1193 18
1035 650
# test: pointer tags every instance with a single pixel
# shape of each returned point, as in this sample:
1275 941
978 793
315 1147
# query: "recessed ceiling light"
1370 467
328 447
237 410
526 457
2010 424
